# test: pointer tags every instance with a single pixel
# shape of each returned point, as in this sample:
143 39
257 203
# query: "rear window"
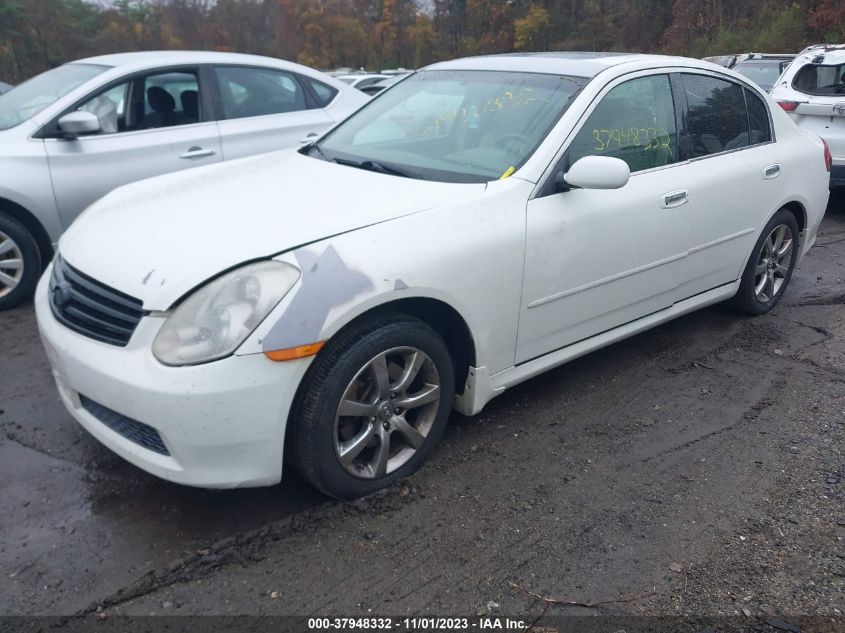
764 74
815 79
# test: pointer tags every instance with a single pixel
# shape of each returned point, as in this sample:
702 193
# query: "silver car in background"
74 133
4 87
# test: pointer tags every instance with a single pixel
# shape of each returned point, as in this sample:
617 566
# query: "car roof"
832 53
576 64
145 59
769 60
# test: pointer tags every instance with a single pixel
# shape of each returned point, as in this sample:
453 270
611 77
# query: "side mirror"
79 123
598 172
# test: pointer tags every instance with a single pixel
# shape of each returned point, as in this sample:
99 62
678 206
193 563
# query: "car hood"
159 238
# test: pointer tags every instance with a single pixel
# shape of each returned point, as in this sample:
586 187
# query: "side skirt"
481 386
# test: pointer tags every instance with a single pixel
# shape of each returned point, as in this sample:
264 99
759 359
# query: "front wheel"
770 267
373 407
20 262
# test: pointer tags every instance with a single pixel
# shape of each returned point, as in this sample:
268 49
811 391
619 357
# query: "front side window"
248 92
453 126
147 102
33 96
717 120
820 80
634 122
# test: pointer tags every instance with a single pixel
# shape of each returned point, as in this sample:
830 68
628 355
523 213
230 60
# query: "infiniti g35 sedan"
74 133
476 224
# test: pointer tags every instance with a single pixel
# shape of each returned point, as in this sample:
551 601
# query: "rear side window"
717 120
758 118
324 93
248 92
820 80
635 122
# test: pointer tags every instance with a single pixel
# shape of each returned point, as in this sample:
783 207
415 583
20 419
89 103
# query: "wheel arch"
799 211
442 317
33 225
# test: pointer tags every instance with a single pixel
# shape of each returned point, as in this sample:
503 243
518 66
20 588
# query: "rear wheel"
770 267
20 262
374 406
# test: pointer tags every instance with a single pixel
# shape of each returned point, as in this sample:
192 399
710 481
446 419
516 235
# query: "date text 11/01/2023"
417 624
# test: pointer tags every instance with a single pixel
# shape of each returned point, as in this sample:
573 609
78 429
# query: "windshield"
31 97
454 126
820 79
764 74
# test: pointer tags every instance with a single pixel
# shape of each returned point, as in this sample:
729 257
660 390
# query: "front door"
151 124
596 260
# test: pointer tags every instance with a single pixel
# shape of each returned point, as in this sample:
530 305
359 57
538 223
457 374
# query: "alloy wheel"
773 264
386 412
11 264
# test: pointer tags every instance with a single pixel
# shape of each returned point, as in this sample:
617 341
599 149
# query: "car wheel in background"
20 263
770 267
373 406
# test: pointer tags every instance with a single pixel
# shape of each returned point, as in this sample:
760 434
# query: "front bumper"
222 424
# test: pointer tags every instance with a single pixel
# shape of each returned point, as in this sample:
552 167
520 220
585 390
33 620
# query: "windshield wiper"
314 145
371 165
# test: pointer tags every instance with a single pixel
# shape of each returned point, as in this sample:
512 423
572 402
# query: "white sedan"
482 221
74 133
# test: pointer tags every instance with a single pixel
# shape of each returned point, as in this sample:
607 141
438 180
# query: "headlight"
214 321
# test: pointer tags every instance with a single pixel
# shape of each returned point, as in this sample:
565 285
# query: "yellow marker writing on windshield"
508 172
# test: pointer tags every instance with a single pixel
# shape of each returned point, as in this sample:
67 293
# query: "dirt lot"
695 470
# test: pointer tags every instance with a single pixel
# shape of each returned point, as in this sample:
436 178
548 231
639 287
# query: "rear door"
740 176
267 109
151 123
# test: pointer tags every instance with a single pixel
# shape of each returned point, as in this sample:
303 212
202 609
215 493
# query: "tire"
755 297
346 370
20 263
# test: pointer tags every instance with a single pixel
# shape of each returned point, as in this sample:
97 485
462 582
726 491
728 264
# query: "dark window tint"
248 92
635 122
717 120
758 118
324 93
820 79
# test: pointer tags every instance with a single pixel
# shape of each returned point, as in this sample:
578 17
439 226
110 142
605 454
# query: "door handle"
197 152
308 138
674 199
772 171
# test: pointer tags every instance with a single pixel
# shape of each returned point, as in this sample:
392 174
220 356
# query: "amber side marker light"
292 353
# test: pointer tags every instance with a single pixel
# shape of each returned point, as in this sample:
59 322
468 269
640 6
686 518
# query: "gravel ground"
696 470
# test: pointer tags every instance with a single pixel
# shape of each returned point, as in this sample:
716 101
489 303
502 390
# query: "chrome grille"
90 308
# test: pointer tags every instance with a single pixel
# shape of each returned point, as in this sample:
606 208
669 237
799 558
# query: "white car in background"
812 91
484 220
362 80
74 133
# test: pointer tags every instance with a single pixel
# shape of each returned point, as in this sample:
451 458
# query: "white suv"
812 91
